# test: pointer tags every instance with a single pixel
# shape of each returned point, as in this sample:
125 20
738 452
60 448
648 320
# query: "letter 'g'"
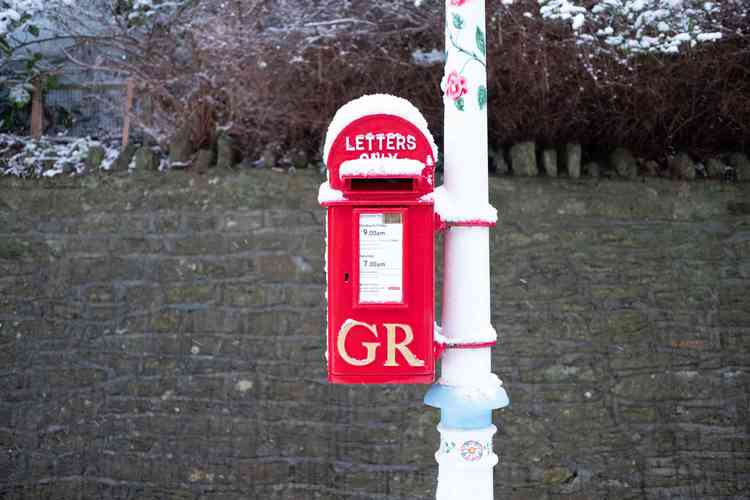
371 347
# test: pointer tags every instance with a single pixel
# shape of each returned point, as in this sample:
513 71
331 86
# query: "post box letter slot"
382 184
381 256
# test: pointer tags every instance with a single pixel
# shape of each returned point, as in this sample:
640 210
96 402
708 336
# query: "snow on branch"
633 27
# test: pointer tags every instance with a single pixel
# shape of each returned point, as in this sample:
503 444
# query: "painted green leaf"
5 47
482 96
458 21
459 103
481 43
33 29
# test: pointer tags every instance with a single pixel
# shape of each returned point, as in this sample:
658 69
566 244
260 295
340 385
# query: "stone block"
204 244
498 165
592 169
241 221
682 166
252 295
204 160
523 159
146 159
651 168
557 475
95 157
549 160
624 163
573 160
181 149
277 267
196 293
170 320
304 296
267 240
647 414
134 245
298 158
125 157
269 156
226 155
199 222
283 218
715 168
14 248
741 164
677 385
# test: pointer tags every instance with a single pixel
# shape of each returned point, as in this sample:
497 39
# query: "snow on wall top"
376 167
376 104
326 194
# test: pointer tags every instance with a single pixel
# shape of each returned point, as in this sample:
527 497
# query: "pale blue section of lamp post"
458 412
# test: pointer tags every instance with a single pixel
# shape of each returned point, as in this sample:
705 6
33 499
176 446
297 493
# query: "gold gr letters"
371 347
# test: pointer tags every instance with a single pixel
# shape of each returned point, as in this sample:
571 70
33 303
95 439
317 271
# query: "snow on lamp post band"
453 213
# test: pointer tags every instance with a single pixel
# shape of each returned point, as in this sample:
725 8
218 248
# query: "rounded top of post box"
378 127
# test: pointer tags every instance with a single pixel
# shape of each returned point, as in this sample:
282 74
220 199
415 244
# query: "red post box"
380 243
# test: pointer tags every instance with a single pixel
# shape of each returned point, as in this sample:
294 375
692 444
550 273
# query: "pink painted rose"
458 3
455 85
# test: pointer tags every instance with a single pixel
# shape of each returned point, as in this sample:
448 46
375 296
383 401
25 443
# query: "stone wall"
162 338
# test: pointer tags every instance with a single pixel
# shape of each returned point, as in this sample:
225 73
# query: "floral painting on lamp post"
463 50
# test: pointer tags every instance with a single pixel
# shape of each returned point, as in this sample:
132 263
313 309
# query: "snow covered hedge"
641 73
34 34
20 14
642 26
19 22
271 73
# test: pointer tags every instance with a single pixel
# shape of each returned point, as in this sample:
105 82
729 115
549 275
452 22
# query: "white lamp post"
467 391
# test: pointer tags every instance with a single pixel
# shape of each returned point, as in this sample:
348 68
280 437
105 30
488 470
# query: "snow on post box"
379 243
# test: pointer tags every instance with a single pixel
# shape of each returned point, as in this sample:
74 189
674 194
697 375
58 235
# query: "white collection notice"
381 255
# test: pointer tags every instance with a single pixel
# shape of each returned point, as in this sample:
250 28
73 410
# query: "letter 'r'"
402 346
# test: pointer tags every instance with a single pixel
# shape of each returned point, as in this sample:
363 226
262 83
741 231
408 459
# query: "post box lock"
380 231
